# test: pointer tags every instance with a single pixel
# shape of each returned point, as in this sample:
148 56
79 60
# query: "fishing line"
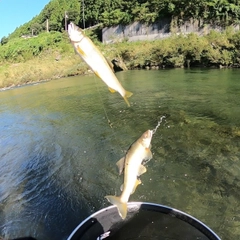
153 132
104 109
111 126
158 125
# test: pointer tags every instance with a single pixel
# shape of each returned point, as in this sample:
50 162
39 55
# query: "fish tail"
122 206
126 96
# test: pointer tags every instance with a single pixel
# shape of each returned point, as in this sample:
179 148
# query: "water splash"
158 124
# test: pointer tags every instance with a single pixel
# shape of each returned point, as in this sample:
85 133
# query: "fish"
95 60
132 166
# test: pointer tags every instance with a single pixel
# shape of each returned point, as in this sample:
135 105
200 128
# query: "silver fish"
95 60
132 166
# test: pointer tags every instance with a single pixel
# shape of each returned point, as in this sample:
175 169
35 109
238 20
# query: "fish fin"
148 154
138 181
126 96
80 51
121 206
121 188
141 170
120 165
112 90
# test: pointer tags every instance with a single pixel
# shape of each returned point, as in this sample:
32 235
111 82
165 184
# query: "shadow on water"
37 200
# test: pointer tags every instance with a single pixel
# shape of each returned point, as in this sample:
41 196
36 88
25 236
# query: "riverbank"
218 50
44 68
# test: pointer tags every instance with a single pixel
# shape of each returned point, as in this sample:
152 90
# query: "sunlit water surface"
58 151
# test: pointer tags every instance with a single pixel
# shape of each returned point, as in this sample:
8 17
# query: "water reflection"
58 153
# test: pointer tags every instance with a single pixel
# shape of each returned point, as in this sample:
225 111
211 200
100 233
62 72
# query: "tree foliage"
4 40
213 49
20 50
113 12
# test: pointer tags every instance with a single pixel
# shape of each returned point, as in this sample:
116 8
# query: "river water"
58 151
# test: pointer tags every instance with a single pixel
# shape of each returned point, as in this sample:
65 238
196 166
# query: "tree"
4 40
113 12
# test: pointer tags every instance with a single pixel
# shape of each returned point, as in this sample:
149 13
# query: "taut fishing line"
153 132
109 122
104 109
158 124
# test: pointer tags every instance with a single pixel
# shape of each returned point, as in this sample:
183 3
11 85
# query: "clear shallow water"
58 152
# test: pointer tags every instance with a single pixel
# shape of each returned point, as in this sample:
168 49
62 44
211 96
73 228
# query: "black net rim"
86 224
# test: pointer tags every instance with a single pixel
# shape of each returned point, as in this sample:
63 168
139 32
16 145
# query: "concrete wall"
158 30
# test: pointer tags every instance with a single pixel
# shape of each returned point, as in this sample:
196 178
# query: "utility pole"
65 17
83 14
47 25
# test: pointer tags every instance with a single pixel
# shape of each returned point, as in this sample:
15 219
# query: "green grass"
50 55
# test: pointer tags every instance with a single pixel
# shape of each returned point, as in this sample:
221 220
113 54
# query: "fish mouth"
74 32
70 28
71 25
149 133
146 138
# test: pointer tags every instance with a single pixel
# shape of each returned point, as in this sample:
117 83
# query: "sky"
14 13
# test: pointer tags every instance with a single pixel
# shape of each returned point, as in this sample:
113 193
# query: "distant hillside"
57 13
50 18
